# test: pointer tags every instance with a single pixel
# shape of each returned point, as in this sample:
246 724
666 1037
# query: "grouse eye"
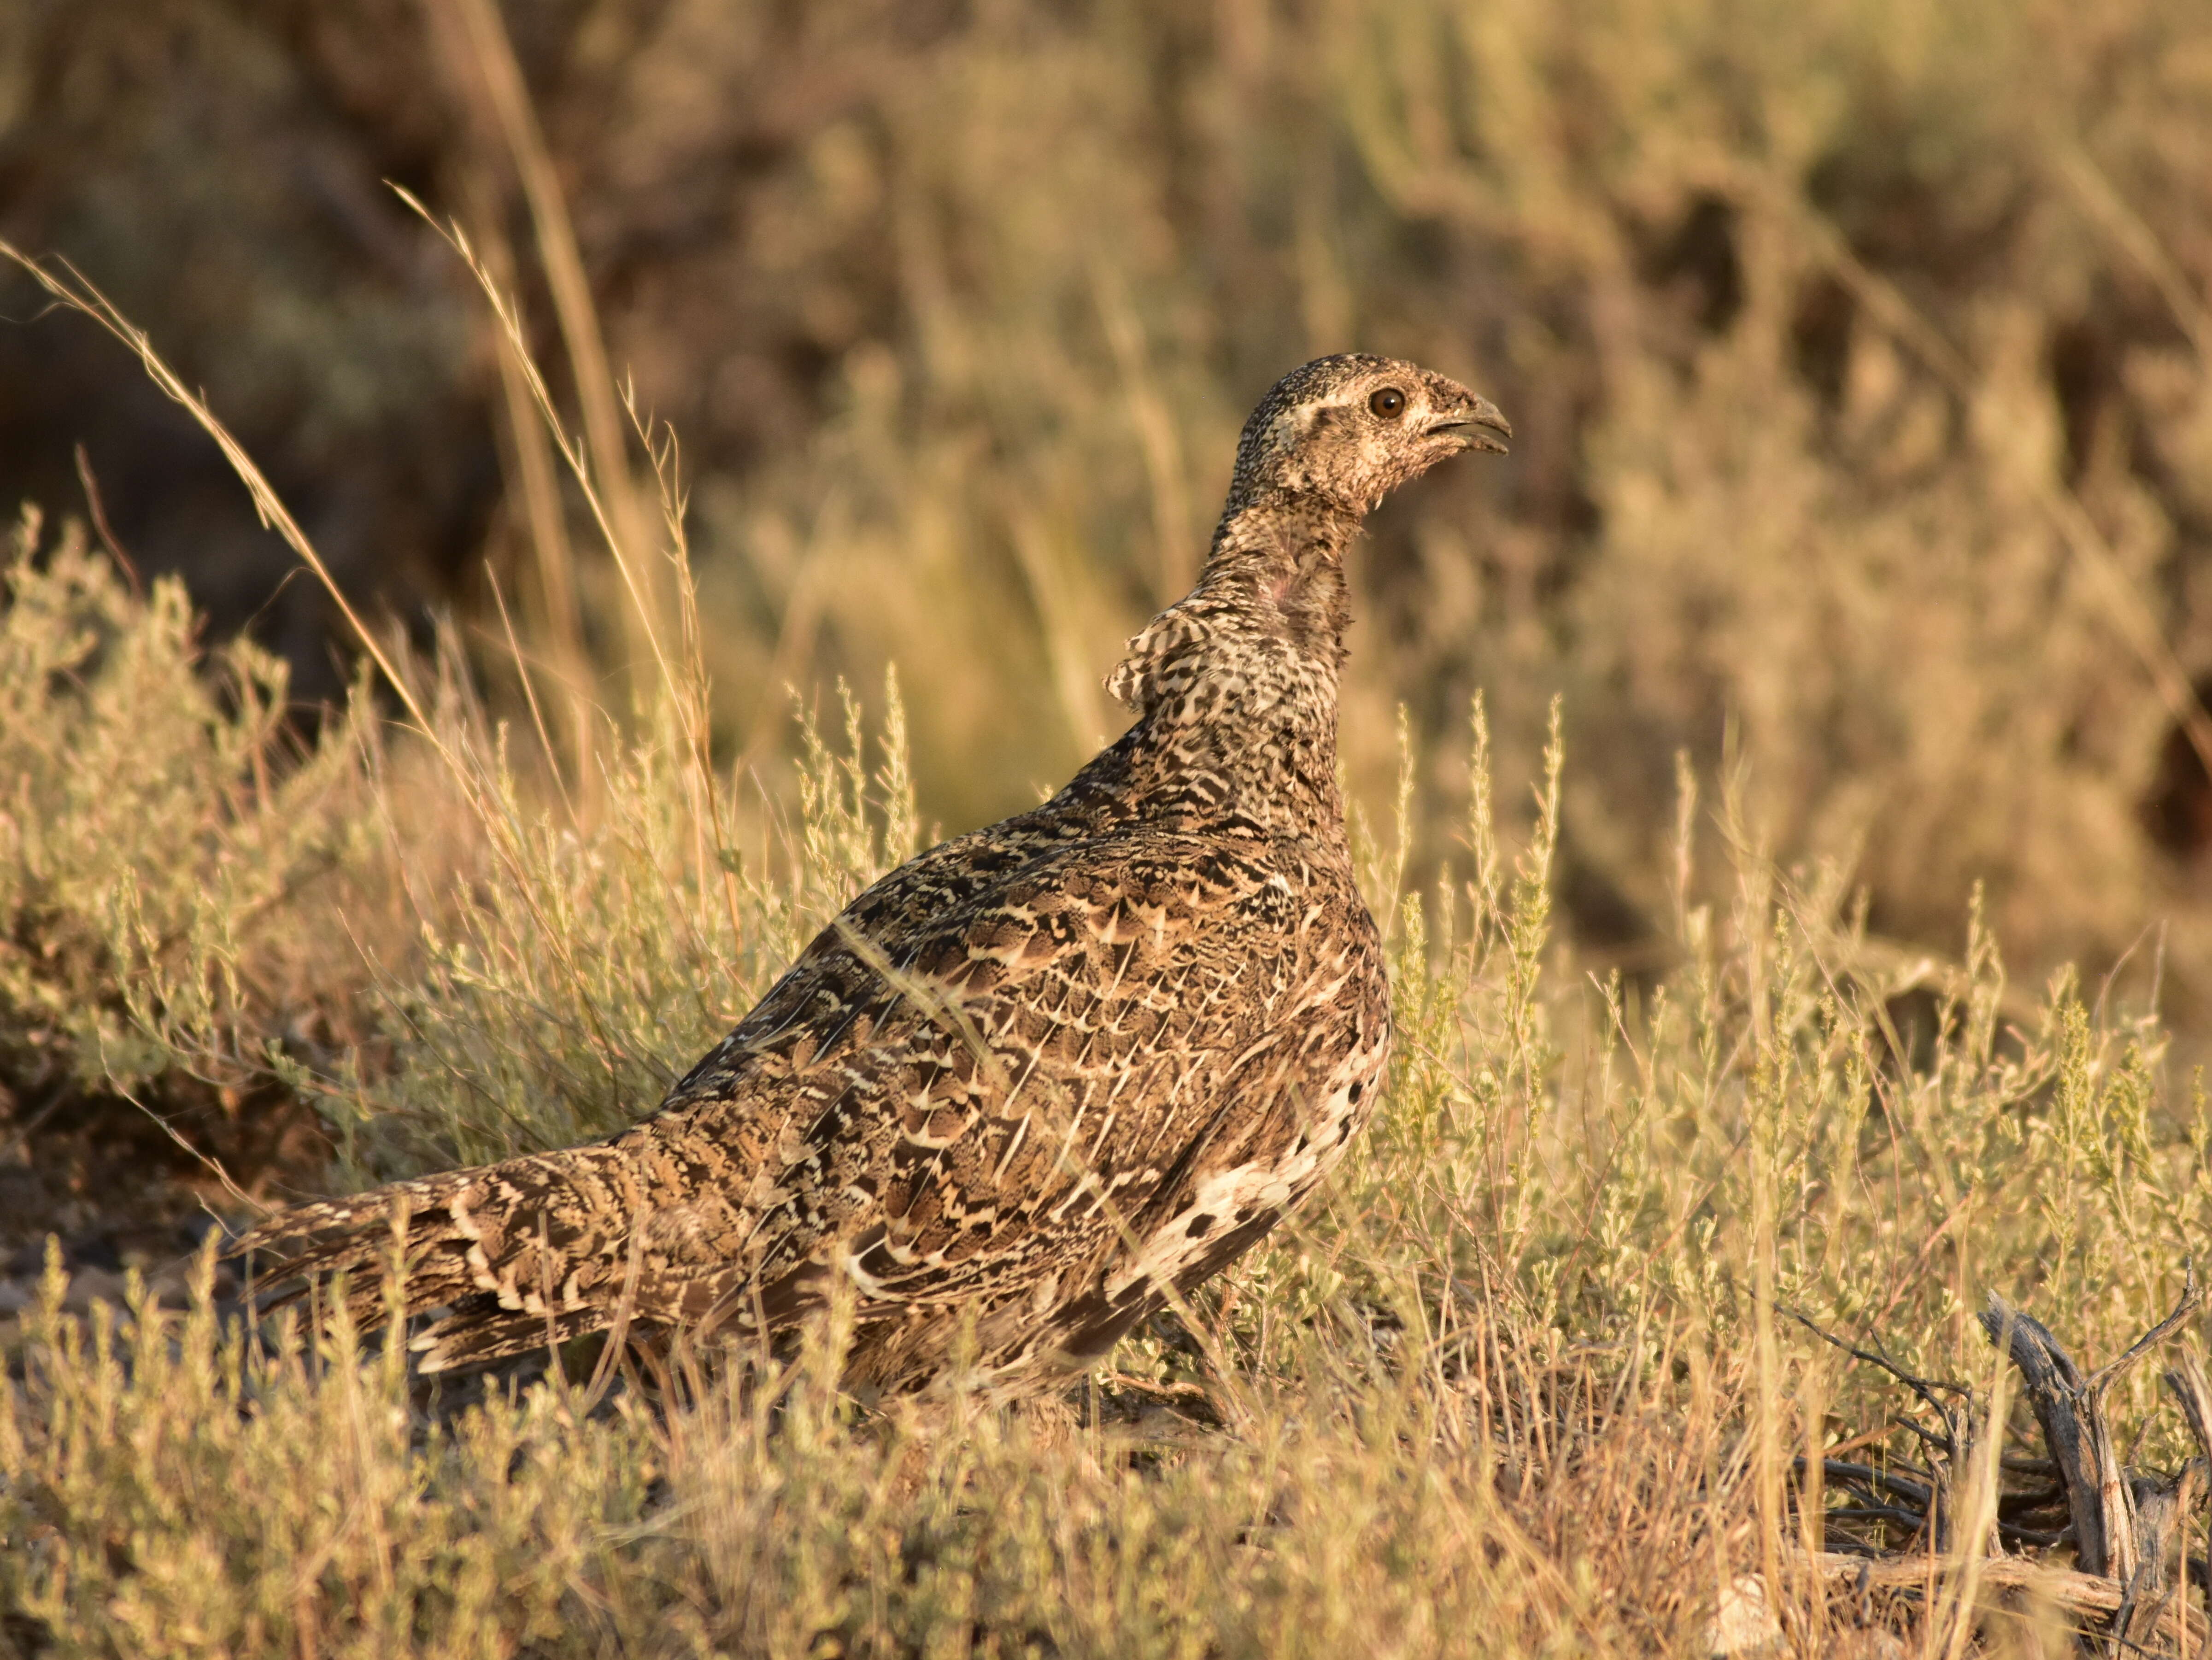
1389 402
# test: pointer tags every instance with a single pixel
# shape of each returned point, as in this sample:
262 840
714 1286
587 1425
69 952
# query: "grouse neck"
1281 551
1235 685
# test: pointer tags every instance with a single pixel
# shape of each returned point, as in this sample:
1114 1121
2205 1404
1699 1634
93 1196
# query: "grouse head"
1351 428
1264 626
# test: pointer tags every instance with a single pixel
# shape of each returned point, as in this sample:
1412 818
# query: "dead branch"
2083 1594
2129 1530
2070 1413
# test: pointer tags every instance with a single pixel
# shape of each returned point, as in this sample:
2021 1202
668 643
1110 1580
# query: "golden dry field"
736 450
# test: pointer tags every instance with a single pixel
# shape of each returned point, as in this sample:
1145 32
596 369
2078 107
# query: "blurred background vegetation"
1856 351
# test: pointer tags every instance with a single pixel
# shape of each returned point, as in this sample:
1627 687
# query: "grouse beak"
1473 425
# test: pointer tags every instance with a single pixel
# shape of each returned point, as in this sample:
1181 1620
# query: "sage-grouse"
1039 1073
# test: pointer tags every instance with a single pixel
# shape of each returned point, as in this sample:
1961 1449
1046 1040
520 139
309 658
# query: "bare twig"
101 528
2109 1374
1923 1387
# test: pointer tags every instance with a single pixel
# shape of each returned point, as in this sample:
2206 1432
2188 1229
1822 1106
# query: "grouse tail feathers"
494 1250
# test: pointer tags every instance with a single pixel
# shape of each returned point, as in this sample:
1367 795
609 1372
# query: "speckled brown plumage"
1043 1071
